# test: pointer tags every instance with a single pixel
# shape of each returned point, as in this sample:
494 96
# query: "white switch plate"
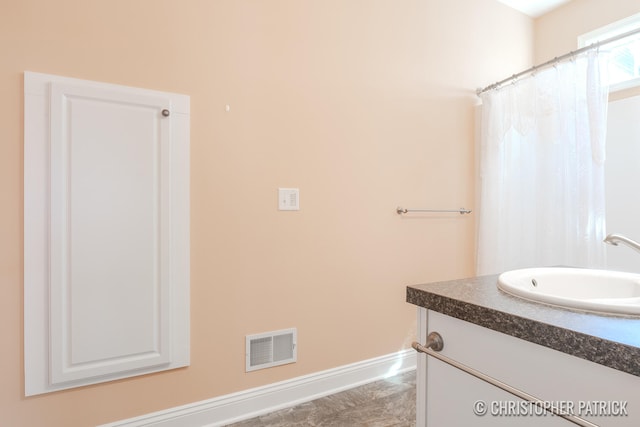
288 199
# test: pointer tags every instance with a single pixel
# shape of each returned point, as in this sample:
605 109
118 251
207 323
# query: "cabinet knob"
166 113
434 342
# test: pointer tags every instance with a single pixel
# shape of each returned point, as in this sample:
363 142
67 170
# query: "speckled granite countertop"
612 341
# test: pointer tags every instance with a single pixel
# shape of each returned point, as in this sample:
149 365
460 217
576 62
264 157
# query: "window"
624 65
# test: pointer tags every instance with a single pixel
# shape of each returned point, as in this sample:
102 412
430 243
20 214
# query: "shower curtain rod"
558 59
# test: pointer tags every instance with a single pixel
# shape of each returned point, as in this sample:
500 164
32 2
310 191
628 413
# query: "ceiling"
534 8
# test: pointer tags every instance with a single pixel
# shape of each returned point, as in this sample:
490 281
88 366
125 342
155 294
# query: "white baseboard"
246 404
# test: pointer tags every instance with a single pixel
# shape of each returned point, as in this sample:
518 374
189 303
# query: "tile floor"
384 403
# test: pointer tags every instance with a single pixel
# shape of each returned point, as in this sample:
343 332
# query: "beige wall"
362 104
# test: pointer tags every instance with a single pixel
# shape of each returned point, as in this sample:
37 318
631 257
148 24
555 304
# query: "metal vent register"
271 349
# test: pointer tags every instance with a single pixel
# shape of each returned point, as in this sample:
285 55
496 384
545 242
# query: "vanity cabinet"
448 396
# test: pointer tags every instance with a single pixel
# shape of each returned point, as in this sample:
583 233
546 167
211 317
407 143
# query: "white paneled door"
106 188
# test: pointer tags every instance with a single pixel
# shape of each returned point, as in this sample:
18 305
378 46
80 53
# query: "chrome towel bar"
461 211
435 343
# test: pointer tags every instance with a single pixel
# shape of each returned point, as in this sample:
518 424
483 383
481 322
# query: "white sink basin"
595 290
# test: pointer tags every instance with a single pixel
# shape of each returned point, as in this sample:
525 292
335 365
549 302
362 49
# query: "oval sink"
582 288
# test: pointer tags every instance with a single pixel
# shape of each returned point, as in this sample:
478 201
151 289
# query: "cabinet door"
455 398
595 393
106 232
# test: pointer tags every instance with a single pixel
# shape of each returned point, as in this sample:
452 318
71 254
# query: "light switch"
288 199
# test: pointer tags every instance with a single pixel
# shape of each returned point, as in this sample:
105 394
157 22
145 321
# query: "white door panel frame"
106 232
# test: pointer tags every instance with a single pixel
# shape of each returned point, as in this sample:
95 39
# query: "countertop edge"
612 354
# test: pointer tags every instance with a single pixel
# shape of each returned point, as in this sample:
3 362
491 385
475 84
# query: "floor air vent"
271 349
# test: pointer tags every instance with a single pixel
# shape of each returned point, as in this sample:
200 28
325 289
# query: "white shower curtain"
541 176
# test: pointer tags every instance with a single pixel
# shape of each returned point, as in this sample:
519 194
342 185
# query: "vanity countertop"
612 341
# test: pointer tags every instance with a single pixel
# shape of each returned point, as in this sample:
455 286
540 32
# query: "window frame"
612 30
